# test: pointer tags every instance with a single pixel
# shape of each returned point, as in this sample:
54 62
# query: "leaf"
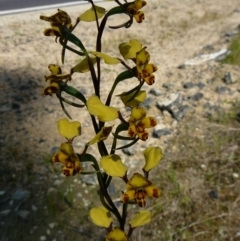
122 76
90 16
83 66
128 145
107 59
72 38
74 92
121 127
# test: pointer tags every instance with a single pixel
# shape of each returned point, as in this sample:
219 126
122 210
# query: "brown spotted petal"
60 17
51 89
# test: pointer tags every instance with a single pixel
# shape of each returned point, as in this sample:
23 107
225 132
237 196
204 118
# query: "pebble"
43 238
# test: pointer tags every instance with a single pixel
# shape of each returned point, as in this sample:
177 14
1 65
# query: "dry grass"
200 182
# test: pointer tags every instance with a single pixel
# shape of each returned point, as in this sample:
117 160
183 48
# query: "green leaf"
121 127
72 38
128 145
90 16
116 10
127 74
75 93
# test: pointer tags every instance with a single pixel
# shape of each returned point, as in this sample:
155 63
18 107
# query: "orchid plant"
138 186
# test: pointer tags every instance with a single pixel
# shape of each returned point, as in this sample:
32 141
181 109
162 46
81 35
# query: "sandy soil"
179 31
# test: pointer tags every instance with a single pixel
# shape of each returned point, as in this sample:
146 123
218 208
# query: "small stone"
168 100
213 194
54 149
222 89
228 78
5 212
200 85
43 238
147 103
155 92
21 194
203 166
57 182
15 106
235 175
51 225
188 85
167 86
34 208
160 130
89 179
196 97
23 214
2 192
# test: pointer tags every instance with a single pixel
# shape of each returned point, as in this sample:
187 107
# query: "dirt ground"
173 31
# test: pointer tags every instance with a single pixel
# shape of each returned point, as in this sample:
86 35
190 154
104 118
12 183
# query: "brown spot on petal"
125 198
56 158
66 172
156 192
153 121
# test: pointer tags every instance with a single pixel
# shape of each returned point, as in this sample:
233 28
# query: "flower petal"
137 114
152 191
83 66
116 235
147 122
113 166
138 99
90 16
137 181
107 59
129 50
101 217
68 129
152 155
128 195
142 218
61 157
103 112
55 69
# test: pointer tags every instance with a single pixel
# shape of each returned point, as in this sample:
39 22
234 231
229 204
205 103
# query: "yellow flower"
138 122
137 100
116 235
113 166
68 129
55 79
67 156
101 217
58 19
145 69
104 113
130 49
134 50
152 155
133 9
141 218
138 188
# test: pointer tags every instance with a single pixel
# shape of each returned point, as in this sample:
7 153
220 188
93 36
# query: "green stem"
124 215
